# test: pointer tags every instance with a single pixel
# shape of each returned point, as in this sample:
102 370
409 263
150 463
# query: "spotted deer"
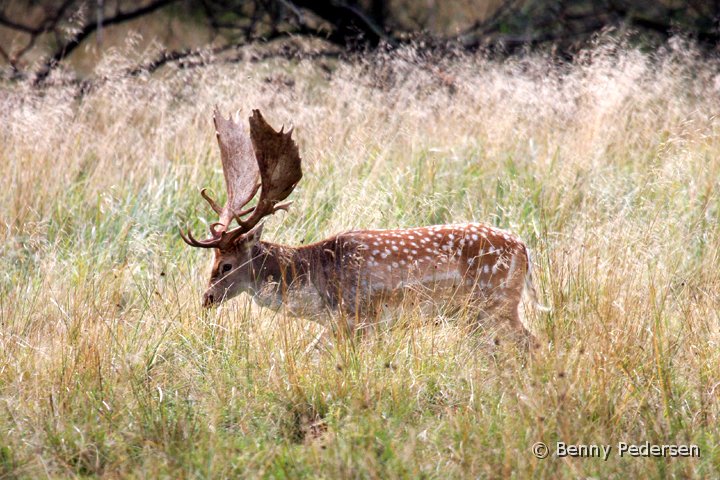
362 274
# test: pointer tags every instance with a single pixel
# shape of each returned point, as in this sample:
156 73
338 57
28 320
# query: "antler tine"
193 242
215 231
217 208
279 164
282 206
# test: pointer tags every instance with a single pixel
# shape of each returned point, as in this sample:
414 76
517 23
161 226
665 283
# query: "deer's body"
364 274
360 274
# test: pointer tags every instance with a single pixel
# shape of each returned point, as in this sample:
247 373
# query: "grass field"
608 168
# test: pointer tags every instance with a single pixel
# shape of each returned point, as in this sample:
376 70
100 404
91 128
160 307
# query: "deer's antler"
272 155
279 163
239 166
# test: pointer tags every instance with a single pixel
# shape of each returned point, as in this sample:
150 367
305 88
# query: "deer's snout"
208 299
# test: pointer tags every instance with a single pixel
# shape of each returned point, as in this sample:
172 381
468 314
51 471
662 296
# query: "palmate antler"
273 155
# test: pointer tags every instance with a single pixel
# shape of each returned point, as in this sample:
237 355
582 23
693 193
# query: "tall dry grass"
609 168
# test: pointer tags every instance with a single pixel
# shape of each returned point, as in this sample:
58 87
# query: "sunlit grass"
608 169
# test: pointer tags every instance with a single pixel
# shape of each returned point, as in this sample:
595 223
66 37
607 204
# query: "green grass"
608 169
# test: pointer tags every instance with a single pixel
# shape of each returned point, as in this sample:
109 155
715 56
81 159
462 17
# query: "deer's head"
273 157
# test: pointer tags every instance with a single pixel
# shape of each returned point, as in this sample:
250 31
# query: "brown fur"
362 274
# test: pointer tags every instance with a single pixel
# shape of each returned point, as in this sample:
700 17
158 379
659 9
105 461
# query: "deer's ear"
253 236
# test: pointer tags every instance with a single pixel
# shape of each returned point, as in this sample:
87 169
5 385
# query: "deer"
360 275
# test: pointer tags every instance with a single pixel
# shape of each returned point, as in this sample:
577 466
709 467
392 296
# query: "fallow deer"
359 274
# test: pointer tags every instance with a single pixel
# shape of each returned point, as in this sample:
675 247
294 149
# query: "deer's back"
364 271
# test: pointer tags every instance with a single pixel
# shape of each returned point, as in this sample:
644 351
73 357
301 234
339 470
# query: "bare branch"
349 22
6 22
69 46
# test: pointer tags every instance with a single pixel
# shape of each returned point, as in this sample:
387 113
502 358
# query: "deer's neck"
295 279
273 263
278 270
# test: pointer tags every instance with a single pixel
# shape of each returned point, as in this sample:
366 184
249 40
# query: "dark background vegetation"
36 36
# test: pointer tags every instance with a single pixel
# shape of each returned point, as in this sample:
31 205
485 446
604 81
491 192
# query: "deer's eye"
226 268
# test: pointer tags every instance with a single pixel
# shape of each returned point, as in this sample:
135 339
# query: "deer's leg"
504 311
358 315
520 332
